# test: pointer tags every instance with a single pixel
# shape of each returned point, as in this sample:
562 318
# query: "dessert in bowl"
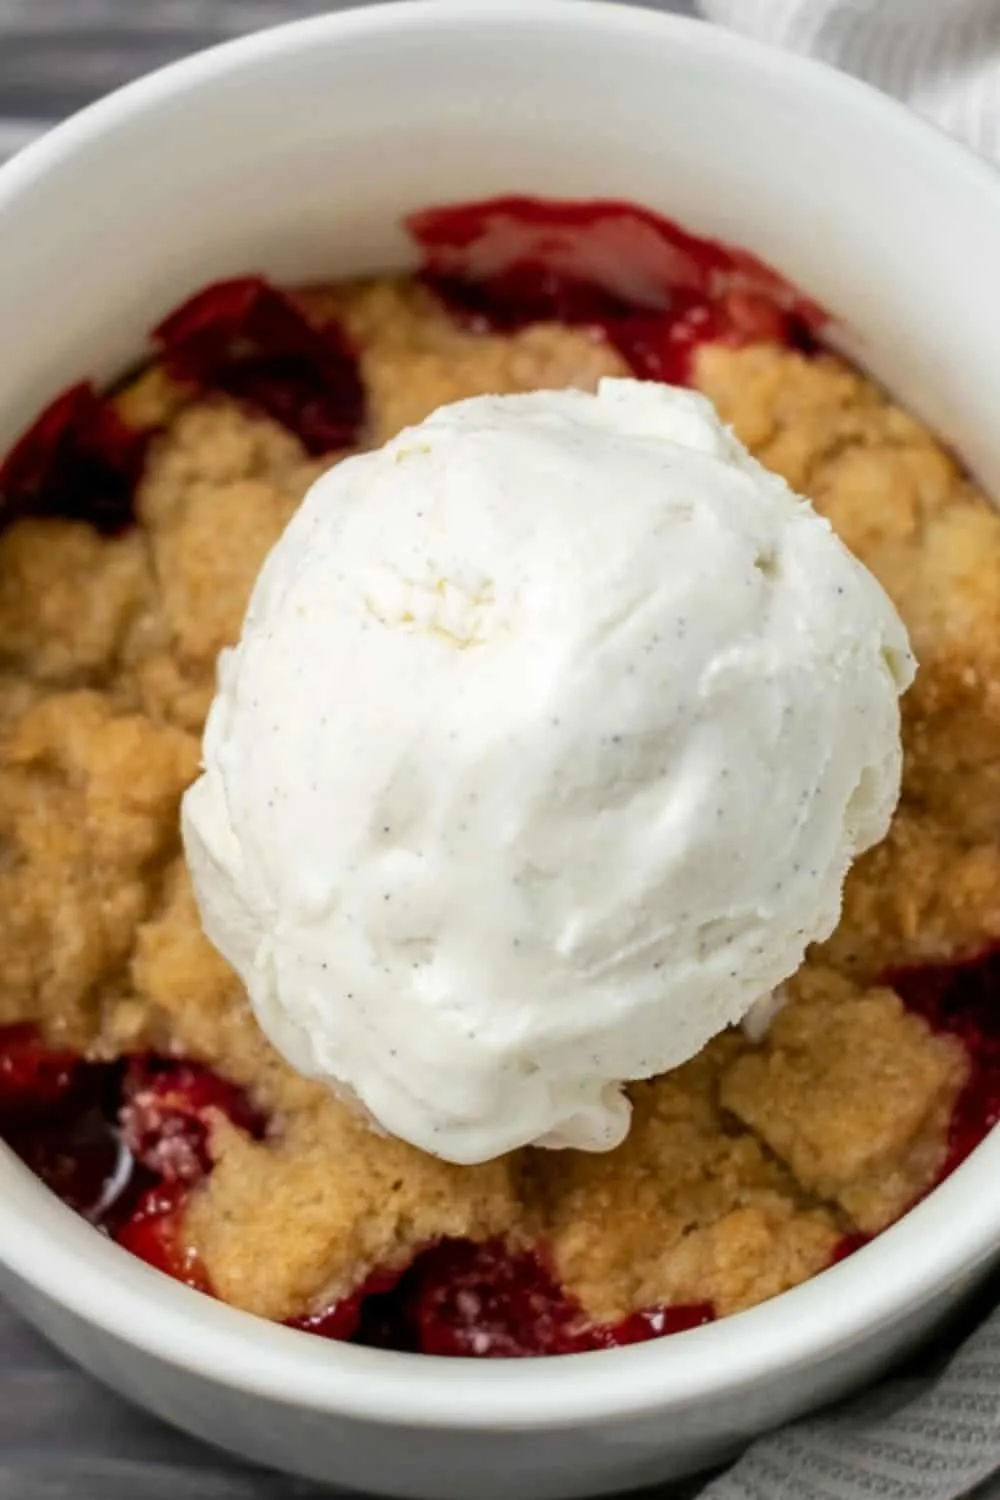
748 1171
745 1171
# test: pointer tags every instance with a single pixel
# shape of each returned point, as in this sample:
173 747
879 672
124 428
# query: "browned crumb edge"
745 1167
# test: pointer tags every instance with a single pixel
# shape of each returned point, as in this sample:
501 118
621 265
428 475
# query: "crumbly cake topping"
745 1168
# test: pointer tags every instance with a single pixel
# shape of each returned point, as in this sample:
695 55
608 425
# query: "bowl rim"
58 1255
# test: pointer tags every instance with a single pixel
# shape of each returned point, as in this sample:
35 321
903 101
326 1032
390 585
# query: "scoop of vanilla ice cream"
554 727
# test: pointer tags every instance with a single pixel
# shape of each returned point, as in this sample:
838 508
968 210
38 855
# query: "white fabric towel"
940 56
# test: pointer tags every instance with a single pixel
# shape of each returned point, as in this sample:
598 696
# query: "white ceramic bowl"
297 152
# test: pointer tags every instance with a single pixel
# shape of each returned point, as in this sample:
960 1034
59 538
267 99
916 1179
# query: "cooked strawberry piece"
848 1245
652 1323
155 1234
167 1112
654 290
369 1316
32 1076
77 461
480 1300
248 338
458 1299
487 1302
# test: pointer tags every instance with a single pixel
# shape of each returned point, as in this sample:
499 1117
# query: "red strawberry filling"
123 1144
166 1114
249 339
458 1299
483 1301
31 1075
78 461
652 289
154 1232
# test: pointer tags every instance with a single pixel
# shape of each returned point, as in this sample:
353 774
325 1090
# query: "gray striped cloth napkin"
941 56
